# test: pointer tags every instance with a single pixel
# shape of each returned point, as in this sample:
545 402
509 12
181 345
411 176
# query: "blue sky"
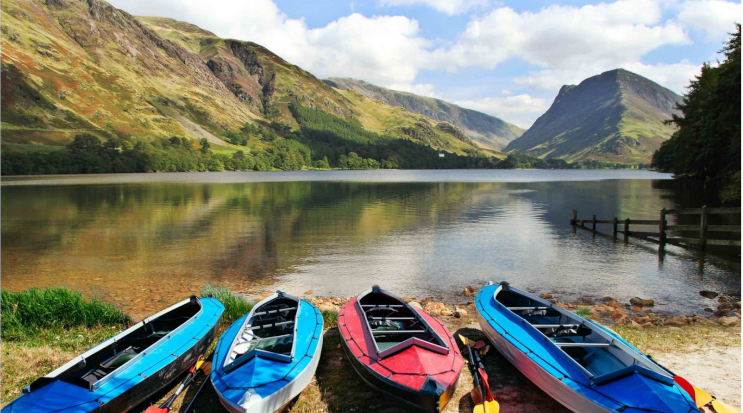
503 57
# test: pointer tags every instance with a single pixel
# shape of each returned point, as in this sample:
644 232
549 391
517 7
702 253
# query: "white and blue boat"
123 371
585 367
267 357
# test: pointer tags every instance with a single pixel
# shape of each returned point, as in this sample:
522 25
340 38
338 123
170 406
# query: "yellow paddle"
721 407
703 398
481 396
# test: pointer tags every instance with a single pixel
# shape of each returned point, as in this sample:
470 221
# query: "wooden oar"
192 373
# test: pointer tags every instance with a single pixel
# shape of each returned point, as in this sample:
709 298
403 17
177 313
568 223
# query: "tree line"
707 143
323 141
87 155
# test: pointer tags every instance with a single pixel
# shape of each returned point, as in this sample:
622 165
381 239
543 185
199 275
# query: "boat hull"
417 374
157 368
545 381
262 384
409 398
632 384
278 401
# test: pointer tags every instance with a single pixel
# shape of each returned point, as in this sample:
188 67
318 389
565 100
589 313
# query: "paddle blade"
155 409
479 408
721 407
463 339
686 386
702 397
491 407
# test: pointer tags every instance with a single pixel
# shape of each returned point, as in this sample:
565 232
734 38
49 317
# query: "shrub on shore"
26 312
330 318
235 306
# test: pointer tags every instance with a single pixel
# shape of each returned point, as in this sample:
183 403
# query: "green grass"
235 306
330 318
26 314
584 312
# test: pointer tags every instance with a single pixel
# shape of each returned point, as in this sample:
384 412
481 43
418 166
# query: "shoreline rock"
607 310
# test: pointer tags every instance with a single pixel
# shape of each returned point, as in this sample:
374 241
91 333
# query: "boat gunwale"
111 340
441 349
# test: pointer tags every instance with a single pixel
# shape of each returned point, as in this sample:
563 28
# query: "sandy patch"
715 370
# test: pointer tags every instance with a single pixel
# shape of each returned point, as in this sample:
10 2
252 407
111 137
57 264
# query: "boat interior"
392 322
270 329
593 349
94 367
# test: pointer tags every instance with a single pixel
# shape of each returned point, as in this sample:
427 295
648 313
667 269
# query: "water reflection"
145 245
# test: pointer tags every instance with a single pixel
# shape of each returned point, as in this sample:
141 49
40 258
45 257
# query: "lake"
147 240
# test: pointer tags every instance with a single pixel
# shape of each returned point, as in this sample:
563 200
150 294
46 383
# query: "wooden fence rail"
708 234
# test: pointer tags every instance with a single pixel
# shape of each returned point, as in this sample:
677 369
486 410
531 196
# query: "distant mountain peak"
488 131
615 116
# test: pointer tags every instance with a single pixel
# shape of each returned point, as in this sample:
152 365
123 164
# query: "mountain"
616 116
487 130
269 84
73 66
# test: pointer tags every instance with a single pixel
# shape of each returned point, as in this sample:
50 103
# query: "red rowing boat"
400 350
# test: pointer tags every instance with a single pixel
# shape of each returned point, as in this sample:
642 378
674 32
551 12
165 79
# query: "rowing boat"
582 365
123 371
267 357
400 350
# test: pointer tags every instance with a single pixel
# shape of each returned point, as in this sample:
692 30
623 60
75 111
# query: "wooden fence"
708 235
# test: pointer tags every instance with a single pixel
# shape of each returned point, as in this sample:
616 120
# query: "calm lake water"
146 240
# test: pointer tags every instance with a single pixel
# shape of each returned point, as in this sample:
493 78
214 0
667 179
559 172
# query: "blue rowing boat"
267 357
123 371
585 367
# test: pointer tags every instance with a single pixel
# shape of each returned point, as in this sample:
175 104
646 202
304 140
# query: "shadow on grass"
341 388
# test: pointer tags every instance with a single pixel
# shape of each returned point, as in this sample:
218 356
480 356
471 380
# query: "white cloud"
450 7
521 110
675 76
715 18
564 37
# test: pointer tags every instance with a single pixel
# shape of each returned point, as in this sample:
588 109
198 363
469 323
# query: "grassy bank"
39 346
42 329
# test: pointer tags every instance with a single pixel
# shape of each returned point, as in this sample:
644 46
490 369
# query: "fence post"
594 223
616 222
662 228
703 229
626 230
575 217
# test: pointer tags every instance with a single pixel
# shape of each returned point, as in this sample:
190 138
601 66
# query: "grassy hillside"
488 131
73 67
617 116
270 84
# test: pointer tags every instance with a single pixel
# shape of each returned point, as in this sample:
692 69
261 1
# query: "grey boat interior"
392 321
269 329
600 355
115 353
